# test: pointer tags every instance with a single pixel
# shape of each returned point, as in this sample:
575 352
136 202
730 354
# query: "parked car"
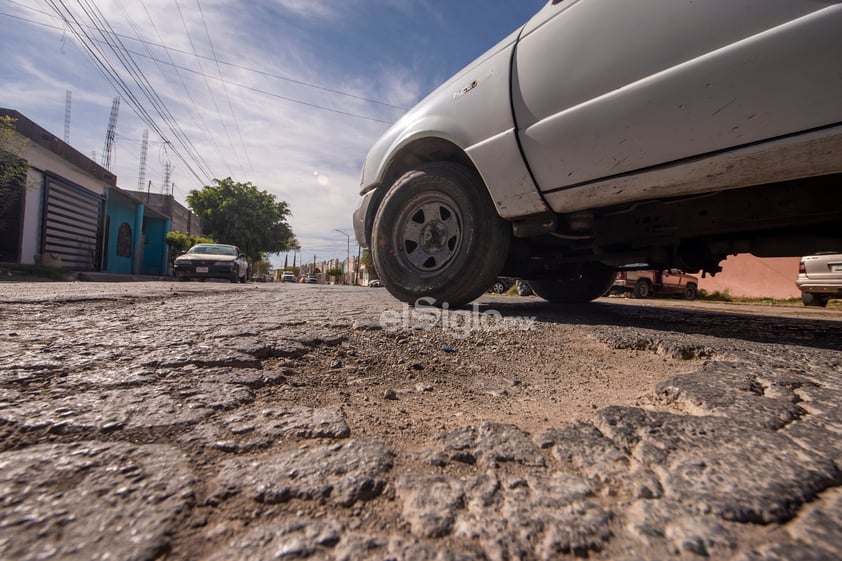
311 279
501 285
375 283
652 282
820 278
602 133
205 260
287 276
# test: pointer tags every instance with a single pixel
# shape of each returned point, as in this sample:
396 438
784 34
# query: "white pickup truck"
602 133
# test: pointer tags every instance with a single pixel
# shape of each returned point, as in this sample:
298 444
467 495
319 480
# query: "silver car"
607 132
820 278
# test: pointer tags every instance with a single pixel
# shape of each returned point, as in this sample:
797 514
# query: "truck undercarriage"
790 218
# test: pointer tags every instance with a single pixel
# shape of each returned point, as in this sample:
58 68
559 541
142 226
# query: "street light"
348 260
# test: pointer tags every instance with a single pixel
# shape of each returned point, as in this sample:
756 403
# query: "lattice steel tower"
110 134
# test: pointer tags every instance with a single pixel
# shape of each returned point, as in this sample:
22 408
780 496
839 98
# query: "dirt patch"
405 387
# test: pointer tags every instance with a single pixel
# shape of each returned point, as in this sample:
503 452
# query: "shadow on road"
818 333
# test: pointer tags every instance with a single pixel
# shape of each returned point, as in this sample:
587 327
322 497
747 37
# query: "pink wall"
750 276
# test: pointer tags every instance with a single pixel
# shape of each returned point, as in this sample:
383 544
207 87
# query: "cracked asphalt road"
158 421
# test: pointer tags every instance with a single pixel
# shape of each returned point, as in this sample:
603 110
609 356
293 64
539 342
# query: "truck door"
607 87
673 280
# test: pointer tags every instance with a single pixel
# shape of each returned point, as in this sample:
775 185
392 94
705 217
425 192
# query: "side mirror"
242 255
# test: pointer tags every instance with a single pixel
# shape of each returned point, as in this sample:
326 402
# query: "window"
124 240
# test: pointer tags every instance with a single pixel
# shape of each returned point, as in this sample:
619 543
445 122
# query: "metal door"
72 225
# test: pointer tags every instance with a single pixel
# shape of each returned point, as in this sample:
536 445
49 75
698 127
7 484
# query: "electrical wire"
207 84
250 88
113 76
198 114
224 87
225 63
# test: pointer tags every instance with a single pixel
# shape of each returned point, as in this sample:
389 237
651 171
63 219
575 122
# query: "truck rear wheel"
642 289
437 236
691 291
582 283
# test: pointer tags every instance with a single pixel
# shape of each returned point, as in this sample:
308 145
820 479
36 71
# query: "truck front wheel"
437 236
582 283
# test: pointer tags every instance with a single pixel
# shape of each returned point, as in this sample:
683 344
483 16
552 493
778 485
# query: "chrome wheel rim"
429 232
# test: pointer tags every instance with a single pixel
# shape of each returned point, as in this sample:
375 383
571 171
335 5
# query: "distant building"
748 276
182 219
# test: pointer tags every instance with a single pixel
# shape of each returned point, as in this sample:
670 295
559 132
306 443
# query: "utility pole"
348 260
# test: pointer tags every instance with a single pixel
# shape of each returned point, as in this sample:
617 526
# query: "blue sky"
286 94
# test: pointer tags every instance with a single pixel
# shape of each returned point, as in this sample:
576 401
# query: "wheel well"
410 157
421 152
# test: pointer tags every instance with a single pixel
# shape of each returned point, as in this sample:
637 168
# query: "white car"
820 278
212 260
602 133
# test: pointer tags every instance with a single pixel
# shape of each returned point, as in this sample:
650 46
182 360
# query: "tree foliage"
261 268
179 242
368 262
12 167
243 215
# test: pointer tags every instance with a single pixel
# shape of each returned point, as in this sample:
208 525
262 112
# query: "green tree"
243 215
261 268
368 262
12 167
179 242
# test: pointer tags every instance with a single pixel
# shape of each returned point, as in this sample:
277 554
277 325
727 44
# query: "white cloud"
272 142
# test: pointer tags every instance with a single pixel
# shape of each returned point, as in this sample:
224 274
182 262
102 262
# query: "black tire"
582 283
813 299
691 291
642 289
235 278
437 236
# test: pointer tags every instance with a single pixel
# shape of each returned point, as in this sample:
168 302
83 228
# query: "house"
134 236
70 211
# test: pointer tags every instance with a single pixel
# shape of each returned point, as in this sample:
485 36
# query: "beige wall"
42 159
750 276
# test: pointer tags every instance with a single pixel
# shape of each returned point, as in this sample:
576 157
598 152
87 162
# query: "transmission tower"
67 117
165 188
141 174
110 134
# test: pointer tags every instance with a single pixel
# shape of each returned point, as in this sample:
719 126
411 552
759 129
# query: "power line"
250 88
196 111
207 84
112 75
226 63
224 87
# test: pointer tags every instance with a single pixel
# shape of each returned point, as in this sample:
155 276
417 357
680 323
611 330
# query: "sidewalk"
92 276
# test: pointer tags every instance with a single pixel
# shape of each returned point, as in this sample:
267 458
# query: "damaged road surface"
163 421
